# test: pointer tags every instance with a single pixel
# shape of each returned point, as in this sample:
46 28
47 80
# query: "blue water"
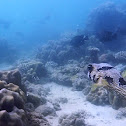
27 23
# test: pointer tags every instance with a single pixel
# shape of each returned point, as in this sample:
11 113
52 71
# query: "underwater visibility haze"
62 63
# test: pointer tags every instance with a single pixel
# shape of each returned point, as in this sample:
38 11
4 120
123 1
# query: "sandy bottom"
101 115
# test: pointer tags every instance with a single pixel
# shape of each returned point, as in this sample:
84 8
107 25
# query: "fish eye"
90 68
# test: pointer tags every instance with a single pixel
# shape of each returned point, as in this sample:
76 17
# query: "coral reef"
12 76
70 75
116 100
60 52
15 109
37 119
12 101
32 71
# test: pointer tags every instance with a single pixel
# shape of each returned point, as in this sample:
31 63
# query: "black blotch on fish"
106 36
78 40
105 68
109 80
122 81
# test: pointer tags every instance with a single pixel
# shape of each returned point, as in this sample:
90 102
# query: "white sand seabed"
100 115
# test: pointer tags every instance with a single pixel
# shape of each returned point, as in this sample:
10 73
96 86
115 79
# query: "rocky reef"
59 51
32 71
39 91
15 106
12 76
12 100
71 74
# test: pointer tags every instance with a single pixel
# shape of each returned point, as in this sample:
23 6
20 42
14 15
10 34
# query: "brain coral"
12 100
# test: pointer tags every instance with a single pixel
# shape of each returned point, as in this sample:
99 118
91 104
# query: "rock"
80 83
116 100
70 75
11 98
29 107
39 91
46 110
16 118
37 119
12 76
12 105
98 96
34 99
74 119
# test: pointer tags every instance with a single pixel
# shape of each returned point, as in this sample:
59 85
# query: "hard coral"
11 105
32 71
60 52
70 75
12 76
